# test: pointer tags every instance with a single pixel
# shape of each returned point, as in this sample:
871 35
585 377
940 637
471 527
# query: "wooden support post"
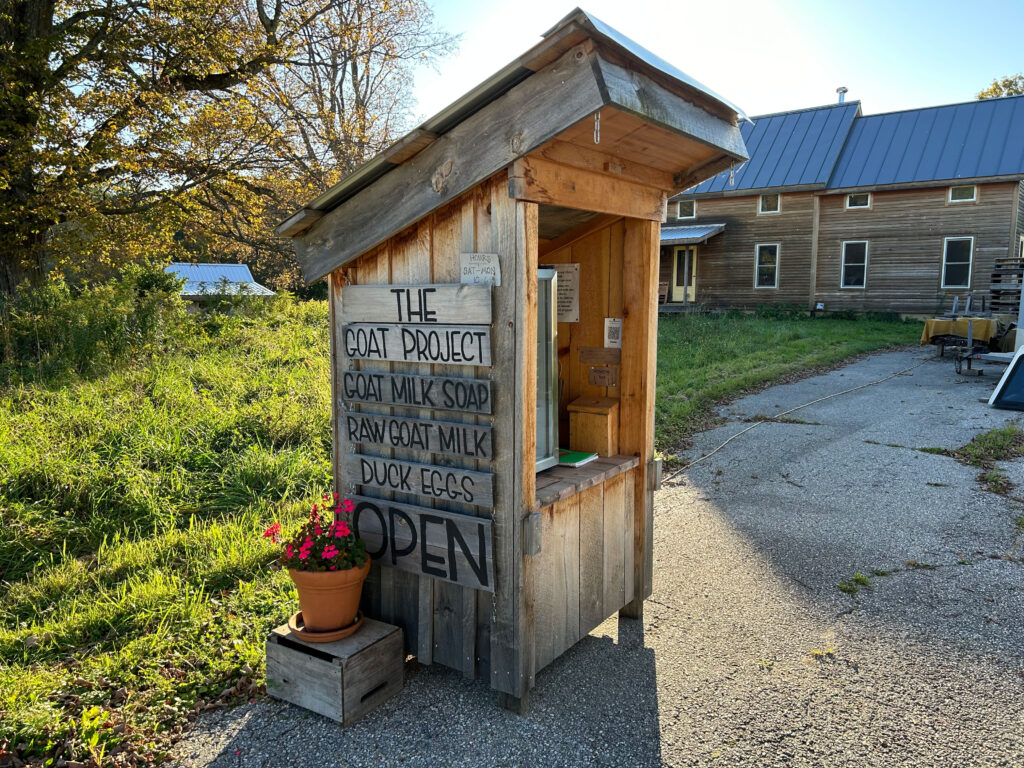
815 223
639 358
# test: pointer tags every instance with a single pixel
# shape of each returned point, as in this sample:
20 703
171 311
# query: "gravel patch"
749 653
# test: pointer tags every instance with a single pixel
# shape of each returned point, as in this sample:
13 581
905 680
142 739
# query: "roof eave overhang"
924 184
694 240
435 168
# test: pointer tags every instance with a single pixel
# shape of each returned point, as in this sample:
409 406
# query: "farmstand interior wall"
566 157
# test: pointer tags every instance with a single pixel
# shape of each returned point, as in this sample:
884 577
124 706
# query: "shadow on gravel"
597 705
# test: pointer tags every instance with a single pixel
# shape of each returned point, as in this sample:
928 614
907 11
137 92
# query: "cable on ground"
785 413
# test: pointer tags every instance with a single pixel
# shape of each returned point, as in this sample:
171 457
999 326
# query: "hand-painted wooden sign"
442 344
452 304
446 437
432 542
435 392
445 483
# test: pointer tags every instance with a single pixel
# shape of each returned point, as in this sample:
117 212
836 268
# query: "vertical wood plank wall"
581 574
600 256
469 630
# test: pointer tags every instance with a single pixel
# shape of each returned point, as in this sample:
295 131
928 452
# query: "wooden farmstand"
459 364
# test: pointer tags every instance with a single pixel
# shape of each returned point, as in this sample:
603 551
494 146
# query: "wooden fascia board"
541 181
694 176
298 222
635 93
517 122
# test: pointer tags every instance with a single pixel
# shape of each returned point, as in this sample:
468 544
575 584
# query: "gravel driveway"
750 655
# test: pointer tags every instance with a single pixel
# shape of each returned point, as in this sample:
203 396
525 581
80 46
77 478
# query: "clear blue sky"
765 55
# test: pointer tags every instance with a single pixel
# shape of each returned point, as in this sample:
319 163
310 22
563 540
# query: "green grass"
134 583
706 359
135 589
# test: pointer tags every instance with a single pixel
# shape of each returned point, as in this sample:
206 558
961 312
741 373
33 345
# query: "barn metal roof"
217 280
690 234
972 140
788 149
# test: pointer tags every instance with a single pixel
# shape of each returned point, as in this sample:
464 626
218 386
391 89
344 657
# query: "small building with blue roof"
901 211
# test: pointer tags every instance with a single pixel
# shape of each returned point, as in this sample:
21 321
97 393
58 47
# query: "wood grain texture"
557 587
505 651
592 159
541 181
419 344
444 304
639 348
429 542
592 556
518 121
447 393
429 481
450 438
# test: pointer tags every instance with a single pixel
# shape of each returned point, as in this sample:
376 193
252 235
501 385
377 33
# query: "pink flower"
335 496
317 530
303 554
341 529
272 532
329 551
348 506
288 551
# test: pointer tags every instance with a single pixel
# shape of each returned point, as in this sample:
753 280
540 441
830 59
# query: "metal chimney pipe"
841 90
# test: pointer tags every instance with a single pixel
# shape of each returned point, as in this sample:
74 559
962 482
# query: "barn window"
858 200
766 268
956 262
547 370
769 203
966 193
687 209
855 264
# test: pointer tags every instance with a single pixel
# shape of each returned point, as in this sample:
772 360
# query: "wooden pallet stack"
1004 291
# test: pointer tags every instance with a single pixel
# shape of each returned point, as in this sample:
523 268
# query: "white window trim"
857 207
679 210
761 212
973 199
842 266
970 263
778 259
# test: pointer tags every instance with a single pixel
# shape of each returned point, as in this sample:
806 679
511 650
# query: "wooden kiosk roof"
638 107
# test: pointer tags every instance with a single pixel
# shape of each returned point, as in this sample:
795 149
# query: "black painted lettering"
467 489
357 514
393 515
425 557
481 447
446 440
478 565
400 386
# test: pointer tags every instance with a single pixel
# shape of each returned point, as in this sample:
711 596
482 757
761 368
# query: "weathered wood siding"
905 230
599 255
725 263
587 545
466 629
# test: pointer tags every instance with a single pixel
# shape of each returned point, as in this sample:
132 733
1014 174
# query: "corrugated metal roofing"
788 149
217 279
692 233
958 141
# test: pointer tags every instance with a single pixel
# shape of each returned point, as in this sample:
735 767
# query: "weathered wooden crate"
342 680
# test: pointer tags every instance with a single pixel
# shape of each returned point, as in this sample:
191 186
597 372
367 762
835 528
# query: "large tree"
1011 85
133 125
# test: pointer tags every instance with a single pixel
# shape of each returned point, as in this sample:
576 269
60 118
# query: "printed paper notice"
613 333
479 268
568 292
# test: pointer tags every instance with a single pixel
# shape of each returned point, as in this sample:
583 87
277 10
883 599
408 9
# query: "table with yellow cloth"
984 328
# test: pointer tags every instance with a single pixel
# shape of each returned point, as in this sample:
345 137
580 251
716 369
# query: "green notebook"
574 458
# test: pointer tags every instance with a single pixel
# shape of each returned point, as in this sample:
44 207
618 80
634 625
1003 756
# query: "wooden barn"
900 212
493 288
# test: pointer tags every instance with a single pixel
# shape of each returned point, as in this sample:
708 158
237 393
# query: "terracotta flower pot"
329 600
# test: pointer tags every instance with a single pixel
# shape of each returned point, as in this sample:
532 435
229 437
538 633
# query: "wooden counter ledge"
560 483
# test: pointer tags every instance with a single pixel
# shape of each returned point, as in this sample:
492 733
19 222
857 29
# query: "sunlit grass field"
135 588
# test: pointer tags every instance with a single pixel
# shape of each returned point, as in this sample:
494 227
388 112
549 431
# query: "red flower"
348 506
272 532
